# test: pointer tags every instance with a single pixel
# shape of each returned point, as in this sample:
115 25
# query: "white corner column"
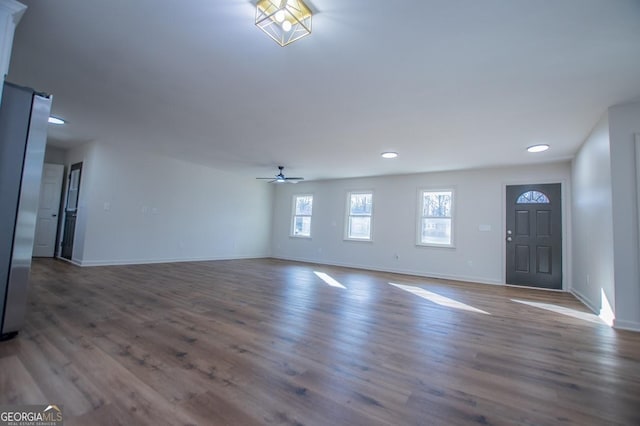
10 13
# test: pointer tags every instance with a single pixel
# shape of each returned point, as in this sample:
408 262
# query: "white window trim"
419 217
348 214
293 216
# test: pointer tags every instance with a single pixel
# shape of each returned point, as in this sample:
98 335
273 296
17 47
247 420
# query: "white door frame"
52 173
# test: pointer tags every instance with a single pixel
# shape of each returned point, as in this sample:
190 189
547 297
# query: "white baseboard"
463 278
617 323
626 325
120 262
72 261
585 301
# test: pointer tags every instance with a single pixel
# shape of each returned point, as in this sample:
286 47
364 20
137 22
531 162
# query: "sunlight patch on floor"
585 316
438 299
328 279
606 312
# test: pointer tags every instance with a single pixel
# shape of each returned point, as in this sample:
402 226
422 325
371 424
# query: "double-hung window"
435 227
301 218
359 216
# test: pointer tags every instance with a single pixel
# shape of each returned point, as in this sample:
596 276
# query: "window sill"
443 246
359 240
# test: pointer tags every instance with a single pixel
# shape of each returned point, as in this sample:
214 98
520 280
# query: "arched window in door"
532 197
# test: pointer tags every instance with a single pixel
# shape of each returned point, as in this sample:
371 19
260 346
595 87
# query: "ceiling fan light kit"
285 21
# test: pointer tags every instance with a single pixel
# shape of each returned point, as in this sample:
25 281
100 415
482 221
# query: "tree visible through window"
359 214
302 210
436 218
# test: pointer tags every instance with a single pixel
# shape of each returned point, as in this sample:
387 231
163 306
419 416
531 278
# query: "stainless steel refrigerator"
23 135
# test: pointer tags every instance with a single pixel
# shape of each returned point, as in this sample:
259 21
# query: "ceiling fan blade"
281 178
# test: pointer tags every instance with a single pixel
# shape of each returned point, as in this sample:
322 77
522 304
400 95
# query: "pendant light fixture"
285 21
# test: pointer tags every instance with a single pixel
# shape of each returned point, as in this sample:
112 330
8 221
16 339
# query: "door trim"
59 190
637 148
565 202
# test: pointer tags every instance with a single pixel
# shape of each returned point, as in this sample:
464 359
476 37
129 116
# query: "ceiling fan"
281 178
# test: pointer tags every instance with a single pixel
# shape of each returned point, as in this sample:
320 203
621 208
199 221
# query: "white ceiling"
448 84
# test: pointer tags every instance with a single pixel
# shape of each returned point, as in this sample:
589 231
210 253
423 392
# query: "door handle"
509 239
54 215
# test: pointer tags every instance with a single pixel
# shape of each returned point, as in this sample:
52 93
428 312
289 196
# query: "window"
436 218
359 210
532 197
302 209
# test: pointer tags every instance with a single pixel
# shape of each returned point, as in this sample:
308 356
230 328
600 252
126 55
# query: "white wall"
10 14
54 155
593 261
624 122
142 208
478 256
605 219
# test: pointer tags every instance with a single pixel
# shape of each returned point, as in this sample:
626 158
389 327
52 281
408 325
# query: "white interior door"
48 209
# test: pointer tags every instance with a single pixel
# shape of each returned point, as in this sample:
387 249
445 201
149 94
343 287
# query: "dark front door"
534 235
71 211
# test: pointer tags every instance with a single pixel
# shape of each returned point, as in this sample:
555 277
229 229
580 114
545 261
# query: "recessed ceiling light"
389 154
56 120
538 148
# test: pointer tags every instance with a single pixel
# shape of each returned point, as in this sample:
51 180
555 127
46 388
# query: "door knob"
509 239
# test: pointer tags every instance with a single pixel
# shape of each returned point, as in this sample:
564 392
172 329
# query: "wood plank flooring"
268 342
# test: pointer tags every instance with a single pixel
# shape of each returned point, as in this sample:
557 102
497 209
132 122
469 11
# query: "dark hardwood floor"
259 342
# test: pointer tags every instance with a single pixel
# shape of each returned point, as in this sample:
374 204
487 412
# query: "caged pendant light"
285 21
